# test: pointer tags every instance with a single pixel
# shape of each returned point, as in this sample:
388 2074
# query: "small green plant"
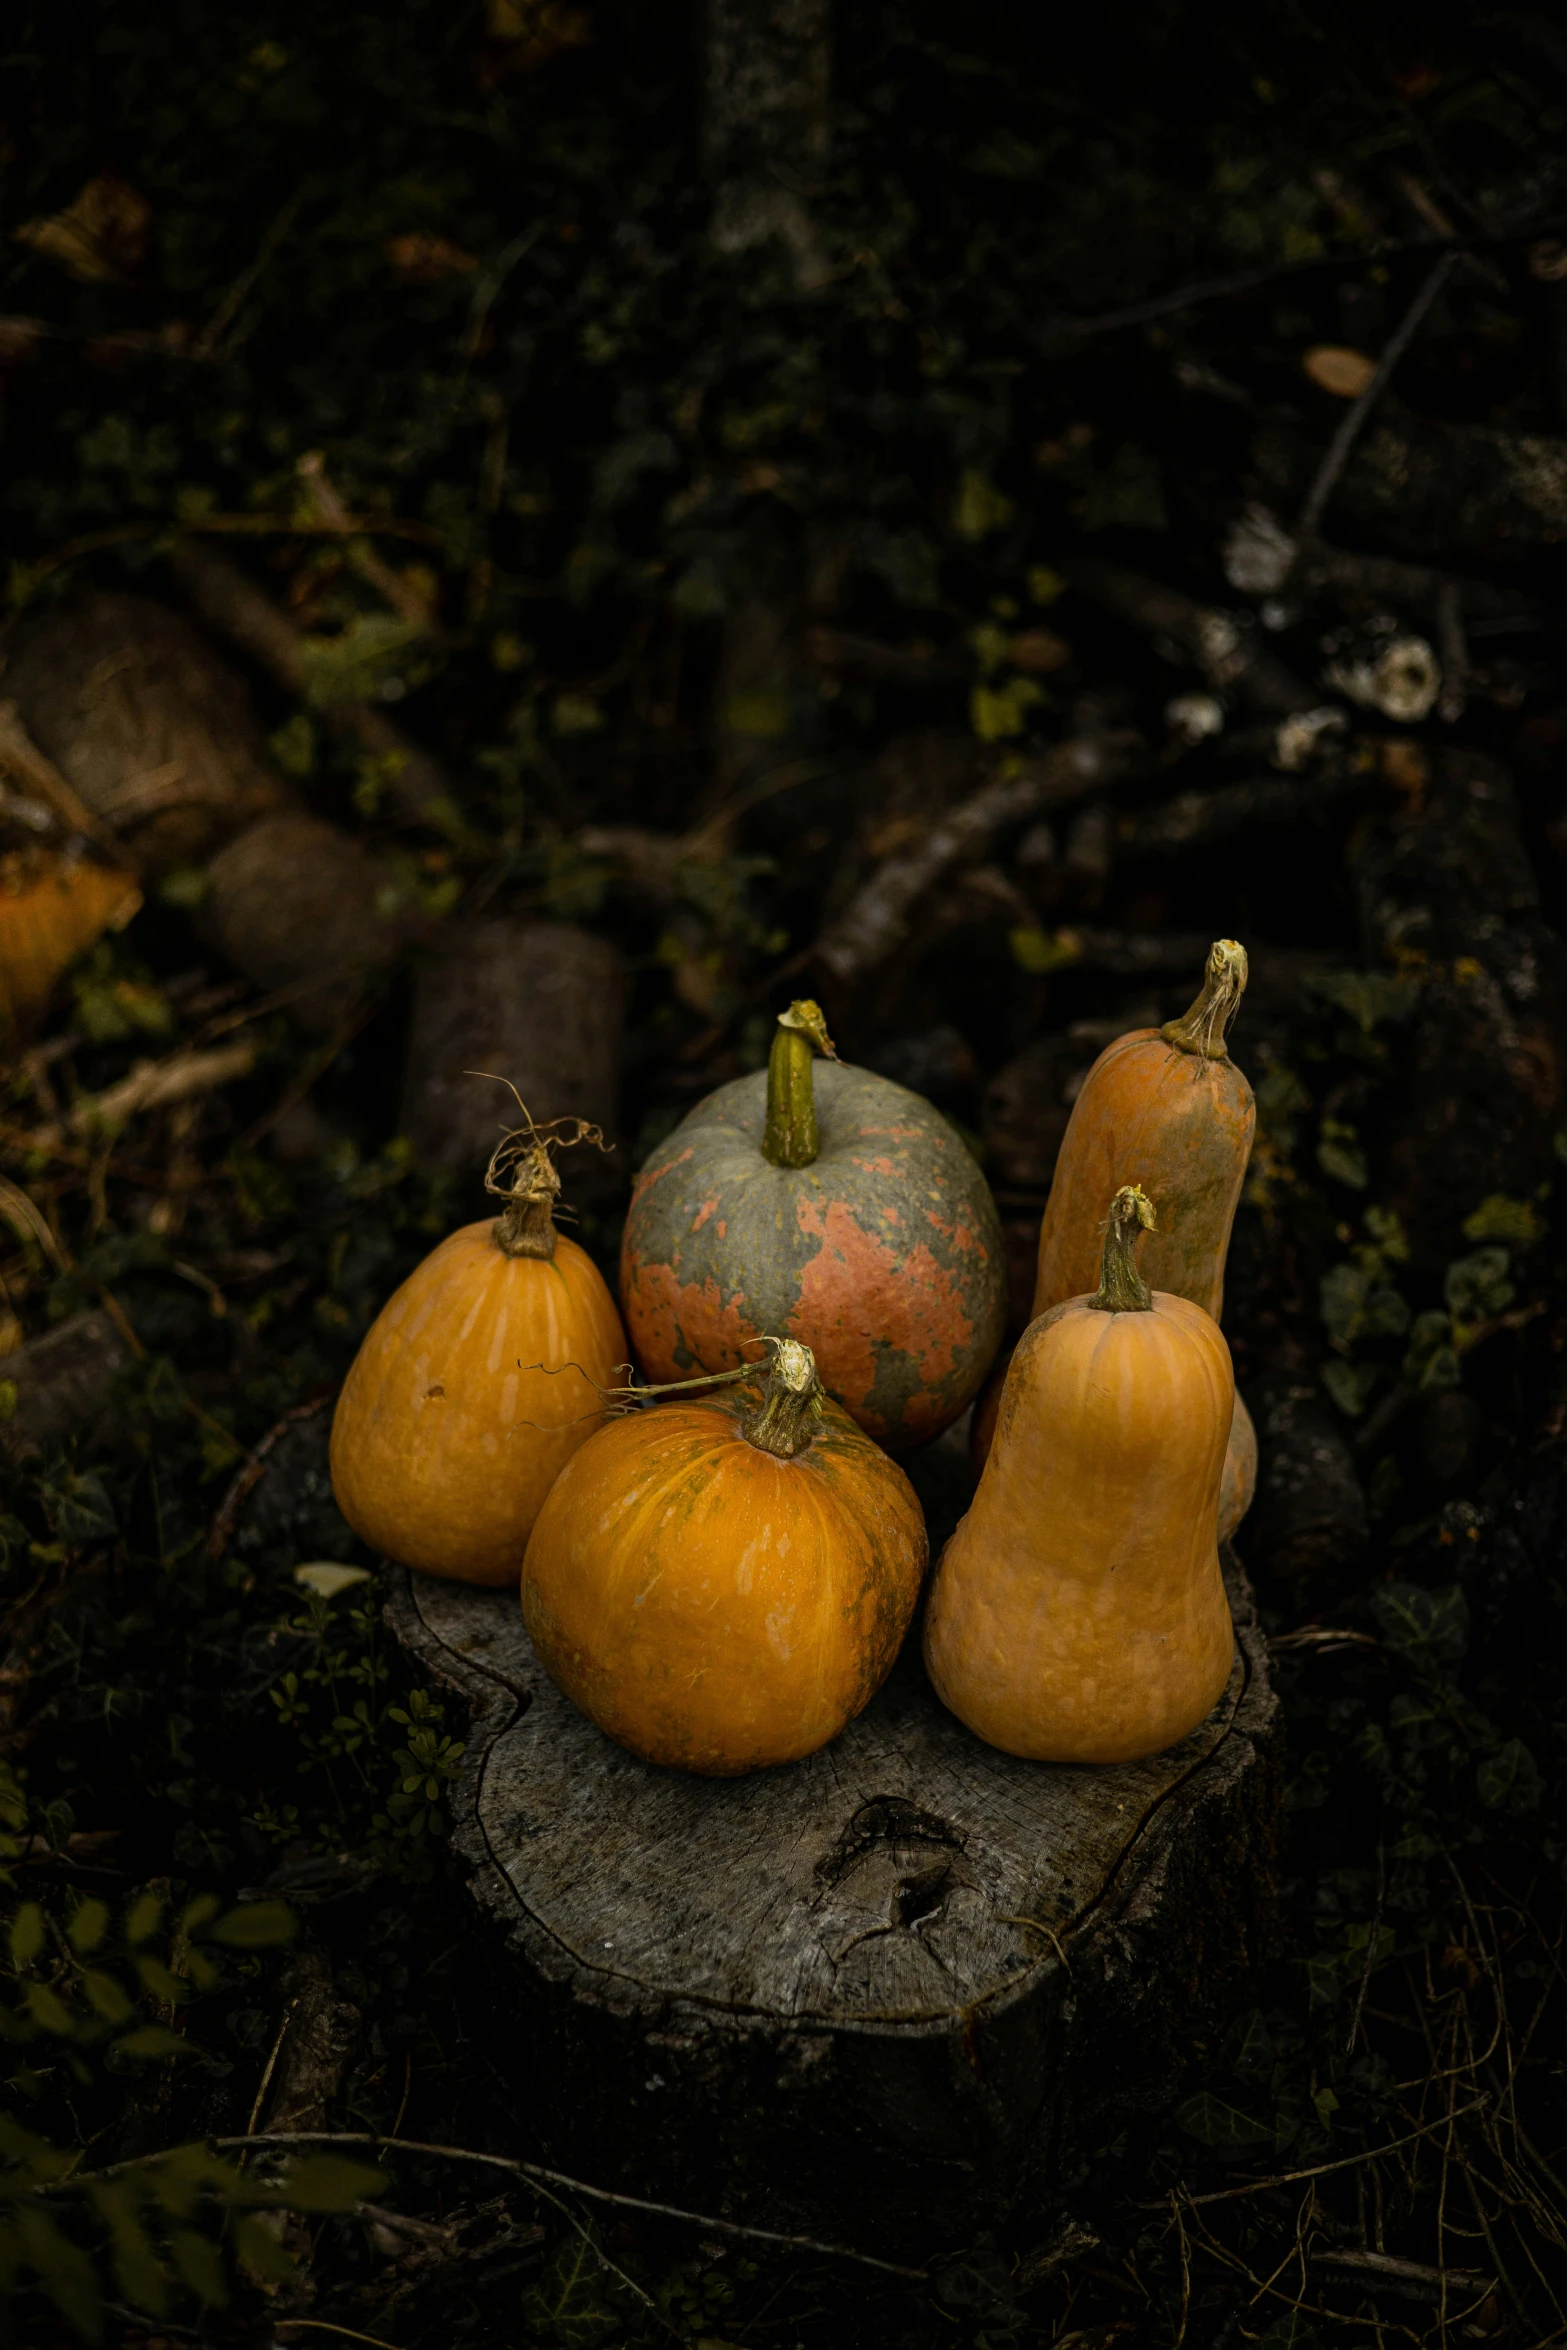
92 1992
386 1790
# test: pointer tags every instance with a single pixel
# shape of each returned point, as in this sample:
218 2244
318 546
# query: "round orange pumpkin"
476 1383
1078 1614
832 1206
721 1583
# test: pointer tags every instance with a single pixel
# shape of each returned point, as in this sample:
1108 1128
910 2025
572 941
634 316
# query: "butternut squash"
1078 1614
1169 1107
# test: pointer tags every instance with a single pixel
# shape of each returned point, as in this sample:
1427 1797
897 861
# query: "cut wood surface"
152 733
872 1994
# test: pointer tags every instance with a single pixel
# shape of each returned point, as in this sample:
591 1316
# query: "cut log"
151 730
538 1003
58 1380
306 911
876 1996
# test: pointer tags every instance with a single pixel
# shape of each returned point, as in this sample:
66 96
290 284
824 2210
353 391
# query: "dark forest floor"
685 597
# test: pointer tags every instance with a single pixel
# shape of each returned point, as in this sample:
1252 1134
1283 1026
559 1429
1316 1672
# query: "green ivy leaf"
327 2182
1514 1223
1477 1287
201 2269
259 2253
27 1934
49 2011
142 1918
1510 1780
256 1925
1215 2122
152 2041
138 2272
88 1925
1428 1628
107 1997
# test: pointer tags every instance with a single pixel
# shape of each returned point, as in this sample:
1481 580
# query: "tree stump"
876 1996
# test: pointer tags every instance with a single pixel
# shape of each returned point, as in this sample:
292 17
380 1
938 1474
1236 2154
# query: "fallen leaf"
102 235
18 338
424 259
327 1577
1040 650
1334 368
525 34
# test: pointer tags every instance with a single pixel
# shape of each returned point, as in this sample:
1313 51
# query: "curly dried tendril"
784 1419
522 1173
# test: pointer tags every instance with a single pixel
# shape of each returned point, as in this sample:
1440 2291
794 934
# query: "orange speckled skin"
1179 1125
712 1607
1078 1613
884 1257
445 1439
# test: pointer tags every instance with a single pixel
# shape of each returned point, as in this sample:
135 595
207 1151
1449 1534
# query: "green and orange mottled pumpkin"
825 1204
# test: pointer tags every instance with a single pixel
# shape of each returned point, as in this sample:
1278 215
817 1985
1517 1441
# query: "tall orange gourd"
1168 1108
477 1382
721 1583
1078 1614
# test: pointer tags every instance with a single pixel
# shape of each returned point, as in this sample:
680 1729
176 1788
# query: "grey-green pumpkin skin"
884 1256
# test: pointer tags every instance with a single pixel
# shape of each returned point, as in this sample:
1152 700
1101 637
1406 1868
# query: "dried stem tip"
1122 1289
1201 1030
784 1421
522 1173
791 1137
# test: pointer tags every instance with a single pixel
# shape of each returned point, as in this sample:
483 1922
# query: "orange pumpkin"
476 1383
53 907
722 1583
1168 1106
831 1206
1078 1614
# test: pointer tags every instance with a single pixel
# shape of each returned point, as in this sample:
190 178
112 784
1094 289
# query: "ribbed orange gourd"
1078 1614
721 1583
1166 1107
477 1382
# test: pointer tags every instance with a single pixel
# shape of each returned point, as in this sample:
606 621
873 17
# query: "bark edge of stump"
879 1997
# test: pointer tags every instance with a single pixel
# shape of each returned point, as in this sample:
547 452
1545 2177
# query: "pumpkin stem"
1122 1289
791 1137
784 1421
522 1173
1201 1030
